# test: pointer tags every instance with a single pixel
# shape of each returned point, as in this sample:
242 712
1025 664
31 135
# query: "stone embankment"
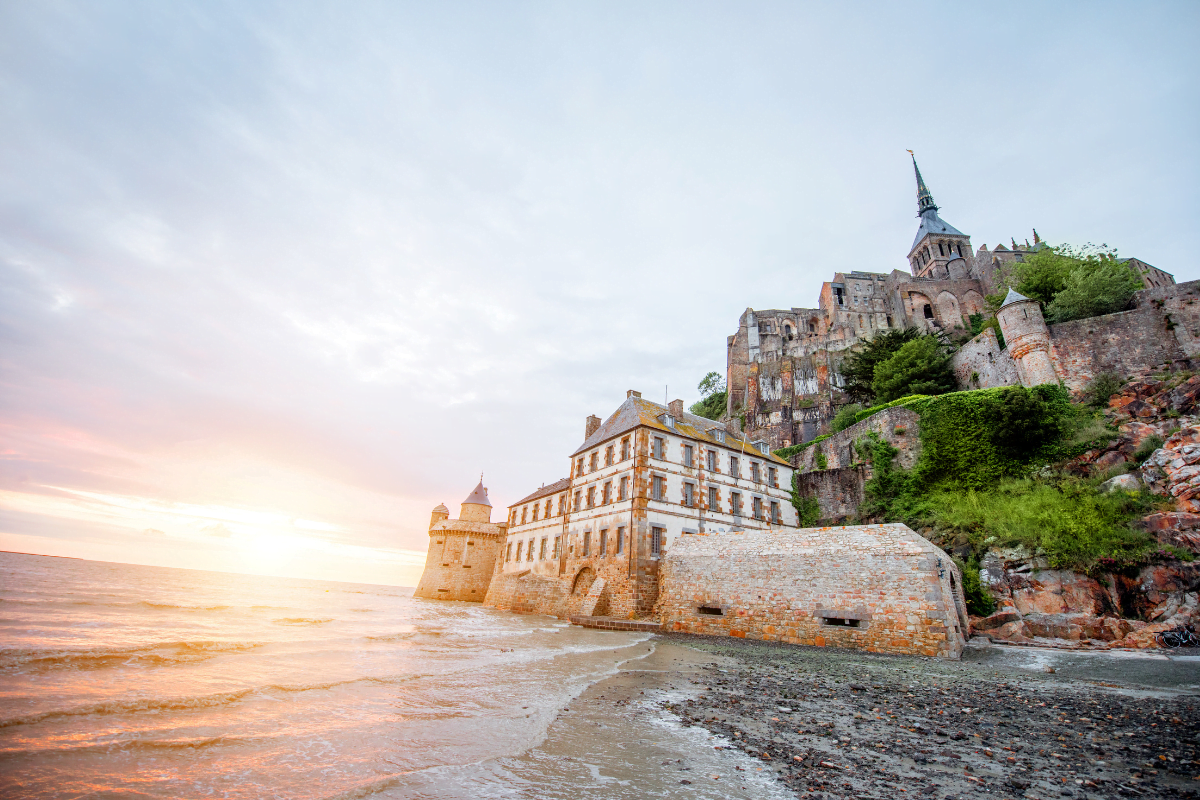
1122 608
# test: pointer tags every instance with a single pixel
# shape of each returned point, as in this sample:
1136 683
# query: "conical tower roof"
924 196
479 496
1013 296
441 509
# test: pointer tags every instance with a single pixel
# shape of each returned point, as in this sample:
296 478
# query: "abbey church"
783 364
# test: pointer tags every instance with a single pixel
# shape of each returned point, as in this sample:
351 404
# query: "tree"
845 417
1093 289
714 397
921 366
858 368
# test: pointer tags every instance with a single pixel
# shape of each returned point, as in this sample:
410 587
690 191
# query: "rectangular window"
595 461
557 546
658 447
607 492
711 456
756 506
508 552
608 456
774 512
713 503
658 488
620 540
549 502
625 448
591 496
578 466
519 545
578 500
772 476
687 456
514 517
536 508
587 543
754 471
656 541
689 494
733 466
604 542
529 551
524 513
735 503
624 488
562 504
542 550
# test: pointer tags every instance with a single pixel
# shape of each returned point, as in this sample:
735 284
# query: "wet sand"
833 723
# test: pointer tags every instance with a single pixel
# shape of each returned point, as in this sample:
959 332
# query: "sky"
278 278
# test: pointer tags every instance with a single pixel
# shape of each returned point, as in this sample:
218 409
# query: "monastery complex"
670 519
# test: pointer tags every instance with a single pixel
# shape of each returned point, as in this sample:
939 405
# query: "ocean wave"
194 703
162 654
146 745
301 621
148 604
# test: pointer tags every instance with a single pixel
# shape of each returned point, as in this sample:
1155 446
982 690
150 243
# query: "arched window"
928 311
940 250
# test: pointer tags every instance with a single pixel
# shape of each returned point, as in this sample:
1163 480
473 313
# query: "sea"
122 681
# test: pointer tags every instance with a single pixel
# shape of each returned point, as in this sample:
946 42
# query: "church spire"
924 198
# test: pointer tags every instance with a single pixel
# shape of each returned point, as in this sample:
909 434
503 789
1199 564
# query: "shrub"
979 600
819 460
846 417
1102 387
1094 289
921 366
1146 448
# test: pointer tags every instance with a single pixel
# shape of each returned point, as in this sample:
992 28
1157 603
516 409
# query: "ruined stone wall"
880 588
461 560
896 426
981 364
839 492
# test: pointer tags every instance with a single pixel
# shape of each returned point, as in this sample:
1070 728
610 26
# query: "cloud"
219 530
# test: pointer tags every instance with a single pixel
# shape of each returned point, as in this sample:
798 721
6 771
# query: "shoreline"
840 723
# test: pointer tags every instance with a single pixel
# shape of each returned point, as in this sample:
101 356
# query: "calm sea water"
127 681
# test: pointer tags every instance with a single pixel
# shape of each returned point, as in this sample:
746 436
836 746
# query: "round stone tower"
1028 339
462 552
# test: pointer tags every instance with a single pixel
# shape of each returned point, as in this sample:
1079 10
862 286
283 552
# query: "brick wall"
839 492
838 451
900 593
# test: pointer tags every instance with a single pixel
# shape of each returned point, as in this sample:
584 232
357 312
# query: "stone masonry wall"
461 559
896 426
981 364
880 588
839 492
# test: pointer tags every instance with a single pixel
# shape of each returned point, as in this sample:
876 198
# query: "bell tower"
940 251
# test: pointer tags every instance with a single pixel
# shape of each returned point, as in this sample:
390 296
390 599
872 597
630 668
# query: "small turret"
1027 337
439 513
477 507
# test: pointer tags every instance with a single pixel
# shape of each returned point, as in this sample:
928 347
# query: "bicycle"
1183 636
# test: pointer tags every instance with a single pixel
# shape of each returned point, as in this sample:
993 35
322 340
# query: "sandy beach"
825 723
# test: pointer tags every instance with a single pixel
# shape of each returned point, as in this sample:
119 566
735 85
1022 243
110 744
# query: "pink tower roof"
479 496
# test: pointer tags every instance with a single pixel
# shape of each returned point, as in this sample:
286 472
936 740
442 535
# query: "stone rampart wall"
880 588
839 492
448 577
896 426
981 364
877 588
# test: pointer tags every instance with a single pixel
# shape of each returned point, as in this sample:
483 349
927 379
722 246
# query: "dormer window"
761 446
719 435
668 420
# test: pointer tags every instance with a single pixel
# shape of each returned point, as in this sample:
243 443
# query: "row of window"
536 549
610 457
658 491
712 462
538 508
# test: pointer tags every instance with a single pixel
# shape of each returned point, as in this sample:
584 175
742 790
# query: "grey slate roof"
1012 297
931 223
479 496
551 488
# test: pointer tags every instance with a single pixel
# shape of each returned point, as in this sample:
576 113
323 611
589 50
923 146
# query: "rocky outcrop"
1037 605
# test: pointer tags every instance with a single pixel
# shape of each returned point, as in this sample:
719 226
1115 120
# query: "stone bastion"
880 588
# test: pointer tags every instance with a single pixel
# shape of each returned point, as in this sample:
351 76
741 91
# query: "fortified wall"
1161 330
880 588
462 552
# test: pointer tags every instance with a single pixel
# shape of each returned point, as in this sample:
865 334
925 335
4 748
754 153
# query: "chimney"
592 425
632 393
676 408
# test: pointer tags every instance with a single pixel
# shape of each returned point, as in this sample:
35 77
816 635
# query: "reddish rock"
995 620
1109 460
1056 592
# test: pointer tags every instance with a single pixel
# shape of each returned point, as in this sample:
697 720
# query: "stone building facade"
880 588
462 552
642 480
783 365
